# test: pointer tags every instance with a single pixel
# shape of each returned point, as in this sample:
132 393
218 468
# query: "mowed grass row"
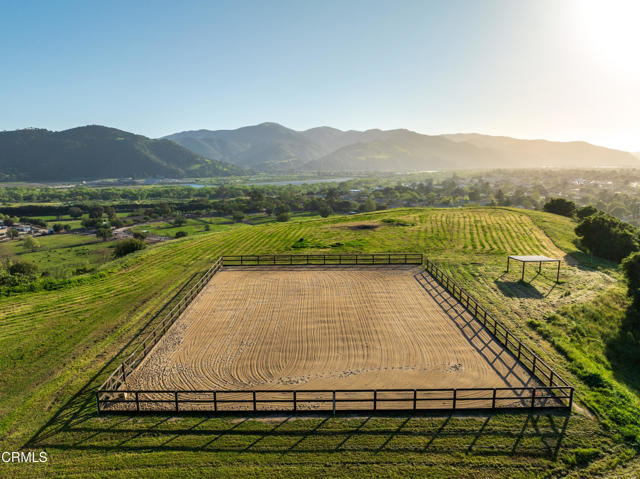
57 343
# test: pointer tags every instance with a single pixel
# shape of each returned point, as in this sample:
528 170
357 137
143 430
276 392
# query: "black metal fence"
322 259
113 396
343 400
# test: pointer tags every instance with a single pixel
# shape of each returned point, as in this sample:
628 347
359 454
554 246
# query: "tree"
57 227
67 227
104 233
608 237
8 222
325 210
560 206
369 205
128 246
31 243
75 212
90 223
238 216
283 216
96 212
631 267
585 211
116 222
13 233
179 220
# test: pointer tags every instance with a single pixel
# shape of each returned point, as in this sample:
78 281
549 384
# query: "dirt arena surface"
326 327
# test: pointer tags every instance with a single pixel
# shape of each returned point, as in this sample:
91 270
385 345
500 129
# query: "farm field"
59 254
325 327
59 346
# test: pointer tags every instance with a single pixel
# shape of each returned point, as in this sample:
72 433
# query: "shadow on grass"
529 435
519 289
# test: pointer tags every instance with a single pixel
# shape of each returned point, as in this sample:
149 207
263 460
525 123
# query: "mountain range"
273 147
92 152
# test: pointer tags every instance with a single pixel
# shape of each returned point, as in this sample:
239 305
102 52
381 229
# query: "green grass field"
60 255
58 346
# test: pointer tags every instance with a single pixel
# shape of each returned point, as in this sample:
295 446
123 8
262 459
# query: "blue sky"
531 69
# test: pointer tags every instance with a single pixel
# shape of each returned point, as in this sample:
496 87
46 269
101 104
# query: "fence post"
551 378
533 369
137 402
415 399
375 398
176 399
215 401
295 407
255 405
455 393
98 402
334 403
533 398
124 375
570 398
493 401
519 349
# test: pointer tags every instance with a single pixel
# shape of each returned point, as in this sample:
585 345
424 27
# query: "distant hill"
266 146
92 152
272 147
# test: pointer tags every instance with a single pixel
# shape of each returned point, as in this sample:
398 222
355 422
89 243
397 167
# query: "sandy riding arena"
326 328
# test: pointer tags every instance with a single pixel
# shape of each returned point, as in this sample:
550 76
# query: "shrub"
139 235
128 246
24 268
560 206
181 234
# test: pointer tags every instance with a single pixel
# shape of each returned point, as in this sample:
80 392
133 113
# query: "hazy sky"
557 69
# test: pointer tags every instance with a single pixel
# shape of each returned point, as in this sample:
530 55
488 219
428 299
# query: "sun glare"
611 32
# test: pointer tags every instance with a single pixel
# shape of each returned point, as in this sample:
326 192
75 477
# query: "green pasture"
58 347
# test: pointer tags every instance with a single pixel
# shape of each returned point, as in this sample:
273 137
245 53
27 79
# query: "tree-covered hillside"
93 152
